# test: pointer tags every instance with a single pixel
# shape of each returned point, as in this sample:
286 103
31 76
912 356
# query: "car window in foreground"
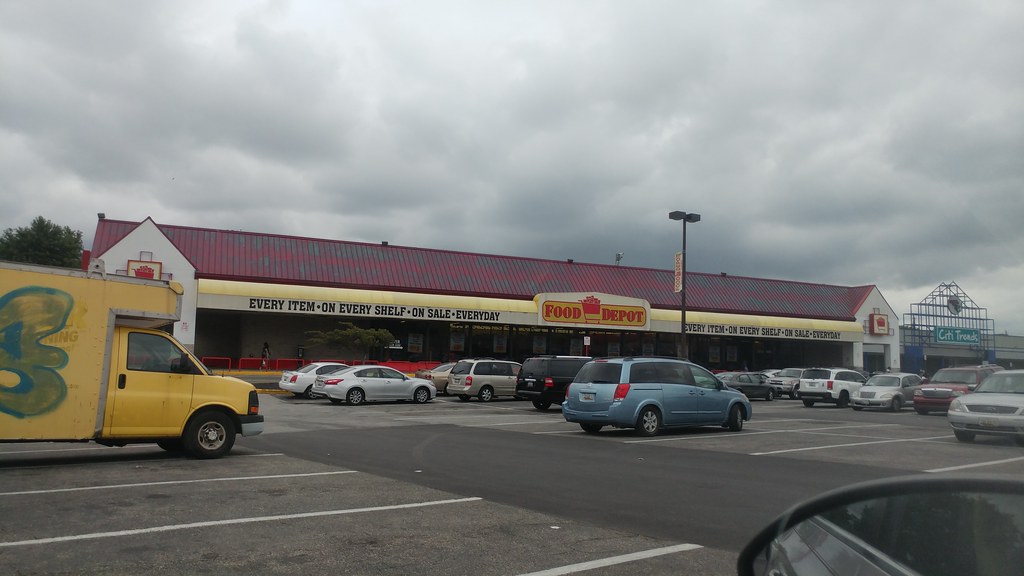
1002 384
600 373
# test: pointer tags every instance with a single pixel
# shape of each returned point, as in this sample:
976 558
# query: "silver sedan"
996 407
371 384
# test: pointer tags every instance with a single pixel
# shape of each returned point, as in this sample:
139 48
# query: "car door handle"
121 381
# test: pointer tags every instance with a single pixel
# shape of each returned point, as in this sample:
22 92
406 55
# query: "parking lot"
286 501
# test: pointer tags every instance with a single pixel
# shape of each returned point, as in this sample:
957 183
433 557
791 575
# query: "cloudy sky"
846 143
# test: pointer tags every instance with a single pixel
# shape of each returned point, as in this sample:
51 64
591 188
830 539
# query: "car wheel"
308 394
736 418
171 445
921 411
209 434
421 395
897 404
464 397
858 408
542 406
794 393
355 397
964 436
590 428
486 394
770 395
808 403
649 422
843 401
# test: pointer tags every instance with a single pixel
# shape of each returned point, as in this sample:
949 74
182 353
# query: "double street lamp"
681 266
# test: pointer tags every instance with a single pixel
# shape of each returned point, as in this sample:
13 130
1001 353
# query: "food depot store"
230 309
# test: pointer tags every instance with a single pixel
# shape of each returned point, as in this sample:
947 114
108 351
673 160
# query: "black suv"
543 379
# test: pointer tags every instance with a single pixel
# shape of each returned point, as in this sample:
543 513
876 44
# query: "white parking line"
978 465
584 566
745 434
850 444
169 482
191 525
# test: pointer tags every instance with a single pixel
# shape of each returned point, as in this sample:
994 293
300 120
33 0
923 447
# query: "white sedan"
373 383
300 382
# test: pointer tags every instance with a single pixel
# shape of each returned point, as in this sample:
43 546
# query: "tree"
42 242
347 335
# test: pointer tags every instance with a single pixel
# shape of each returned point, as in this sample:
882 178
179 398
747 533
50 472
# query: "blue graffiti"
27 317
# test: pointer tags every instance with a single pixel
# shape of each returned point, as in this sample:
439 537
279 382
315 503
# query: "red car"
947 384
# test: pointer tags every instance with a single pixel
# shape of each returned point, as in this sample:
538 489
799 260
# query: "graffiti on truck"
30 381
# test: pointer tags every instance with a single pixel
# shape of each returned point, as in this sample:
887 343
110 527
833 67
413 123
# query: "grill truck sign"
590 310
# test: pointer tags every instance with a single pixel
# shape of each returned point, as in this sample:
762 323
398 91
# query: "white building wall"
888 344
148 238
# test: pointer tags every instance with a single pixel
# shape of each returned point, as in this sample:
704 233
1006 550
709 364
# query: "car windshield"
600 373
306 368
893 381
790 373
1002 384
443 367
727 376
953 377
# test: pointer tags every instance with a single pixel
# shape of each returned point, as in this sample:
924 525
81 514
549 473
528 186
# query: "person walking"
265 355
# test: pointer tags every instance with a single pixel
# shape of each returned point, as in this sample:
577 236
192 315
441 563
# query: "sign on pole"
679 272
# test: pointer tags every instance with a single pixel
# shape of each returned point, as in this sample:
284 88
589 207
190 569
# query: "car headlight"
957 406
886 396
918 393
958 392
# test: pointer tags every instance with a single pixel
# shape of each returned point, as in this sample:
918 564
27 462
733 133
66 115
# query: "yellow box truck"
82 358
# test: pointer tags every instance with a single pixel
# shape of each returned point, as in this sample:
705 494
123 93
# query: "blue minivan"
649 394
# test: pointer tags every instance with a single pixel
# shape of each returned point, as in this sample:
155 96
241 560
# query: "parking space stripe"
169 482
584 566
745 434
850 444
978 465
192 525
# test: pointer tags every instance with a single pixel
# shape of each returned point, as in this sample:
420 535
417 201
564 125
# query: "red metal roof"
271 258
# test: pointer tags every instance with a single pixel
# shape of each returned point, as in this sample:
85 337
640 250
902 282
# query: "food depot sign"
592 310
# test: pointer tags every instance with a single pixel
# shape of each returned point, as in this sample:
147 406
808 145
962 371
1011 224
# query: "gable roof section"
276 259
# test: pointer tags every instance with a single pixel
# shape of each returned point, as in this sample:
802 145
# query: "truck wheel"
209 435
542 406
808 403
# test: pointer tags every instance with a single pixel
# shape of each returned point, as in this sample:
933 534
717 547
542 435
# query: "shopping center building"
244 288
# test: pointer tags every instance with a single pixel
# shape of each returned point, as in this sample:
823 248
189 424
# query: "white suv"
835 385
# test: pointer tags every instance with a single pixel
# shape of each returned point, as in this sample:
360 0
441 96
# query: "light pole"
691 218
